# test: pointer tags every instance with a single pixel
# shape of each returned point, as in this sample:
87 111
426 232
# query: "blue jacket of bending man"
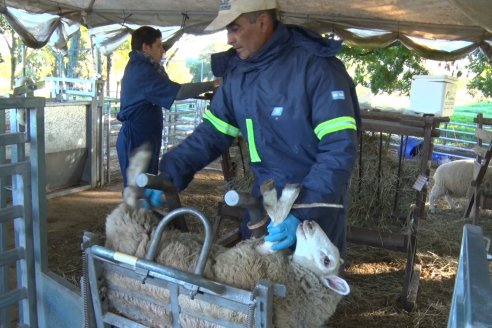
296 106
146 90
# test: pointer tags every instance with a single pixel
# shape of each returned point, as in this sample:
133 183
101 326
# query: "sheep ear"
337 284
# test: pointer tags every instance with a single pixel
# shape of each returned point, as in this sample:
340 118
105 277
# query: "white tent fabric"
364 23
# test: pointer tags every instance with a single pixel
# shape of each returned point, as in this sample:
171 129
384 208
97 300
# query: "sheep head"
277 209
315 252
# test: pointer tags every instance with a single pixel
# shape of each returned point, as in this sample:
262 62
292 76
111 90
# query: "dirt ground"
375 275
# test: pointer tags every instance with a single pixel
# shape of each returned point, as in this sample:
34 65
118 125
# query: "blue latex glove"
283 234
154 198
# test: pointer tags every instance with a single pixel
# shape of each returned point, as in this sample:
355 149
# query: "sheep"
452 178
310 274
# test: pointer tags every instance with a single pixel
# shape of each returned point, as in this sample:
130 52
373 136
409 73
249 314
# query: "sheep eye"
326 261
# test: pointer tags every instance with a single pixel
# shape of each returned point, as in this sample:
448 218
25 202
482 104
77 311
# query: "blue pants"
128 140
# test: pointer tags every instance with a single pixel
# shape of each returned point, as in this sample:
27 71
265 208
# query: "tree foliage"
4 27
387 69
37 63
11 41
200 66
482 81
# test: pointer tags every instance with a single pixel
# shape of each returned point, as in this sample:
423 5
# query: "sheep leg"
434 195
450 201
139 162
287 199
278 209
269 194
432 202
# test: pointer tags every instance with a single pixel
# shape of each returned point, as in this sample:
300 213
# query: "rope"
317 205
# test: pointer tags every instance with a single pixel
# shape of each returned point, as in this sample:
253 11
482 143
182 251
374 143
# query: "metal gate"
17 264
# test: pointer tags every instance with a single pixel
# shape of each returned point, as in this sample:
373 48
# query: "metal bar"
17 168
175 309
11 212
12 297
94 284
37 198
22 102
119 321
391 127
393 241
23 227
4 233
12 138
171 274
233 298
12 255
264 304
207 244
455 132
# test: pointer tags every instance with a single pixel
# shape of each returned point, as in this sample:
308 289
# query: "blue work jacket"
144 92
296 105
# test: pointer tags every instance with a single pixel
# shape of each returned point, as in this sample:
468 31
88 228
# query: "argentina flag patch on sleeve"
338 95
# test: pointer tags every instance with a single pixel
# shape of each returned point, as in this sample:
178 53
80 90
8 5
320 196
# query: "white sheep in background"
310 275
452 179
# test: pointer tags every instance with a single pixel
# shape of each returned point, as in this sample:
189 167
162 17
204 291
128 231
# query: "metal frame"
471 305
483 152
257 303
101 259
427 127
19 212
56 302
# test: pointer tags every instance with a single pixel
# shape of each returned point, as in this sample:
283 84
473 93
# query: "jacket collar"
284 36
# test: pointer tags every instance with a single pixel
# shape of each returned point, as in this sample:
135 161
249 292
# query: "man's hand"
283 234
154 198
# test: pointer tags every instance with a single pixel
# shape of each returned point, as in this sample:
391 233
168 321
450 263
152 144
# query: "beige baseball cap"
229 10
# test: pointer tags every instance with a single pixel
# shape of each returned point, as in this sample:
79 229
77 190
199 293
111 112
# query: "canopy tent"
435 29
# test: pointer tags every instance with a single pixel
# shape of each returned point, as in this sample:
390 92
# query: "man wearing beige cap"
293 101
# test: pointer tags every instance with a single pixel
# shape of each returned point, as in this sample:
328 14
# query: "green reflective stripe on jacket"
334 125
220 125
253 153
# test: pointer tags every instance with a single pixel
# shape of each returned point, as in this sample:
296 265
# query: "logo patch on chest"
277 111
338 95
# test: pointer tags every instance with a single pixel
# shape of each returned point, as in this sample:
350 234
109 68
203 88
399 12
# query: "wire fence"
179 121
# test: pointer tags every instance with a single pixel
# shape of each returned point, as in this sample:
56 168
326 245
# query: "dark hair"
144 34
